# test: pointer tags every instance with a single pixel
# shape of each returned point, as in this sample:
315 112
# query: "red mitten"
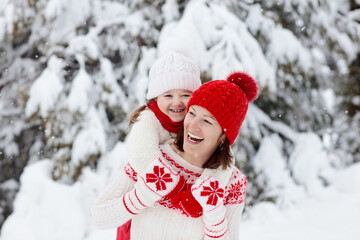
186 203
178 188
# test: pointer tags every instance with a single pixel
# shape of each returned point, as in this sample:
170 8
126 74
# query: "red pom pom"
246 83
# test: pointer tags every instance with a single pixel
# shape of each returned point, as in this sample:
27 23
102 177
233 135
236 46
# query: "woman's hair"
221 157
135 114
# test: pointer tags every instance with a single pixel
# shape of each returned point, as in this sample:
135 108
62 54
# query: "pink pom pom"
246 83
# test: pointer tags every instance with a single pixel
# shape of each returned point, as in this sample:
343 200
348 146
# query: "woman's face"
202 133
173 103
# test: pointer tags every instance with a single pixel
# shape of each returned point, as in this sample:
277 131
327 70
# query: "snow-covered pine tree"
313 47
67 70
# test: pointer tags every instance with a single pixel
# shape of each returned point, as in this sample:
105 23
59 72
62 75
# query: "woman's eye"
186 95
168 96
207 122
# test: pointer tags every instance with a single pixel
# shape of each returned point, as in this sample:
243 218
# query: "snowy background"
72 71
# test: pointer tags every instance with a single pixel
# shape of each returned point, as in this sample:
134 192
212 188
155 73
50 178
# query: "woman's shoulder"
236 188
237 176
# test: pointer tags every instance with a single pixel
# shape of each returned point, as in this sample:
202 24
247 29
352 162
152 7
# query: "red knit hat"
227 100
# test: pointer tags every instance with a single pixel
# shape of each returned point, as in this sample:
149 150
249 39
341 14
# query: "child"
172 80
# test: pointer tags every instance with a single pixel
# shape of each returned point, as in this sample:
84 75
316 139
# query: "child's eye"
191 113
186 95
168 96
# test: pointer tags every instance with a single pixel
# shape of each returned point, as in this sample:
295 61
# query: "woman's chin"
190 148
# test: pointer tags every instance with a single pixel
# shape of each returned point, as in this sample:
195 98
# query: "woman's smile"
194 139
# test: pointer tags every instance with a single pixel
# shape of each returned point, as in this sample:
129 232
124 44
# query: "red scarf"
165 121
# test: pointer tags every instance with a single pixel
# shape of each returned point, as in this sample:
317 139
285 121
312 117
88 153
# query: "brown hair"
136 113
221 156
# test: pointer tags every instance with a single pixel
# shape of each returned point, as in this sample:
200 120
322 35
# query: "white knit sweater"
143 141
142 146
162 221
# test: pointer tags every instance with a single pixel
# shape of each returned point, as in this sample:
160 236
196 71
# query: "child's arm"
222 208
116 205
233 216
108 210
144 139
232 219
234 202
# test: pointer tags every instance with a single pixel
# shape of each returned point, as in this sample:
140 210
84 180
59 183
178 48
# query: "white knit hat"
173 71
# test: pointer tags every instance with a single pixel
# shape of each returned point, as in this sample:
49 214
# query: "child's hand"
210 194
157 181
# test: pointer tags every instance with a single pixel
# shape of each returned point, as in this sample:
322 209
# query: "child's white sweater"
162 221
143 141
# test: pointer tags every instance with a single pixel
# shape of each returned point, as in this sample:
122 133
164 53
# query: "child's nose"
178 102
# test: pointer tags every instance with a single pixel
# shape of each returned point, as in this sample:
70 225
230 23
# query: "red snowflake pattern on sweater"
235 191
130 172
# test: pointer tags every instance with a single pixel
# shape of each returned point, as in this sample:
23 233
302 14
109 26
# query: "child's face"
173 103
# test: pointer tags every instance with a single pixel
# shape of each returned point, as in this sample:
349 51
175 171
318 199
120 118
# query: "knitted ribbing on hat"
227 100
173 71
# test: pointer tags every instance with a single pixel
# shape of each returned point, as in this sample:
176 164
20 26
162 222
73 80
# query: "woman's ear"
222 138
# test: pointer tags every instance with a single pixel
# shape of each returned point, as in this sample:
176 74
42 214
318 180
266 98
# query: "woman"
169 200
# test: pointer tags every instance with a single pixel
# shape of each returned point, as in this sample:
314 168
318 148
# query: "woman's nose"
194 124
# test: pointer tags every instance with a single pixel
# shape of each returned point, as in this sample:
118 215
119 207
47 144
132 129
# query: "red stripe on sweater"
127 206
214 231
139 199
133 203
219 223
216 236
170 160
224 229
